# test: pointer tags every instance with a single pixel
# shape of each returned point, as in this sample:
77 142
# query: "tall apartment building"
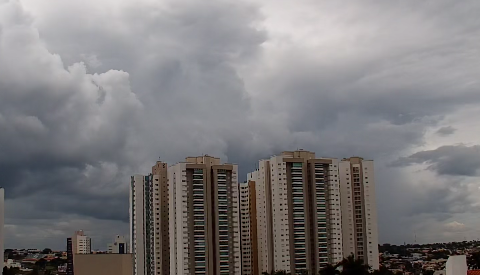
204 217
81 243
263 198
298 212
70 269
141 225
149 222
119 245
248 225
160 213
359 212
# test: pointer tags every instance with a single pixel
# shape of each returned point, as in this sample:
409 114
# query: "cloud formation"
446 131
84 106
453 160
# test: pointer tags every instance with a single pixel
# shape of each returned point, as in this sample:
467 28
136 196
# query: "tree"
11 271
329 270
383 271
42 263
352 266
473 260
47 251
34 271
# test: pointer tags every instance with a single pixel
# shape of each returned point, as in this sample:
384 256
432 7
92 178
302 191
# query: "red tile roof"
473 272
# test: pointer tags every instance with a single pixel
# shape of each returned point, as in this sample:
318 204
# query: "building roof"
473 272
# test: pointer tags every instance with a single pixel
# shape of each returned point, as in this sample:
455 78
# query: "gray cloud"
175 78
453 160
446 131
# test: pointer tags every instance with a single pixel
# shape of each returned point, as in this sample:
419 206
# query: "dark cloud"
175 78
452 160
445 131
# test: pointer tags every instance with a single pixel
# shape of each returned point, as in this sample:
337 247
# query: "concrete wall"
456 265
103 264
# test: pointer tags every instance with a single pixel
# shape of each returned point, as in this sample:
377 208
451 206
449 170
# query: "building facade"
104 264
70 269
119 246
359 211
82 244
263 197
160 210
141 224
248 225
204 217
298 212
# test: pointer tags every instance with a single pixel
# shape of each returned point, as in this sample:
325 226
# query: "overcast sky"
93 91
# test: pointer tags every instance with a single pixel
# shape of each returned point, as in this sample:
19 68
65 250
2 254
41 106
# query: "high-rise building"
263 196
70 268
2 213
204 217
160 215
149 222
119 246
248 225
298 212
81 243
359 212
142 225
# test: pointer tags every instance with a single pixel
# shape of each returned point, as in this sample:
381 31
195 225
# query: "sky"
94 91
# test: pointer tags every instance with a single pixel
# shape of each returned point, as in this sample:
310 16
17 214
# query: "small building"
103 264
119 246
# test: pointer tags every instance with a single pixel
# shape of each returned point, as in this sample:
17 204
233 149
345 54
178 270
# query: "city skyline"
296 212
85 106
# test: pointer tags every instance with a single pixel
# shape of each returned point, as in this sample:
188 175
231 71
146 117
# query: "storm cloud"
453 160
92 92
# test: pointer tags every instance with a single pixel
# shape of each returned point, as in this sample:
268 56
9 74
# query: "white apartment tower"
82 244
298 212
204 217
359 211
149 222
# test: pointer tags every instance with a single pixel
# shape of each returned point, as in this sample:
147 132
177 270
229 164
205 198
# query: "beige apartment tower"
160 213
149 236
204 217
248 225
298 212
264 213
359 211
